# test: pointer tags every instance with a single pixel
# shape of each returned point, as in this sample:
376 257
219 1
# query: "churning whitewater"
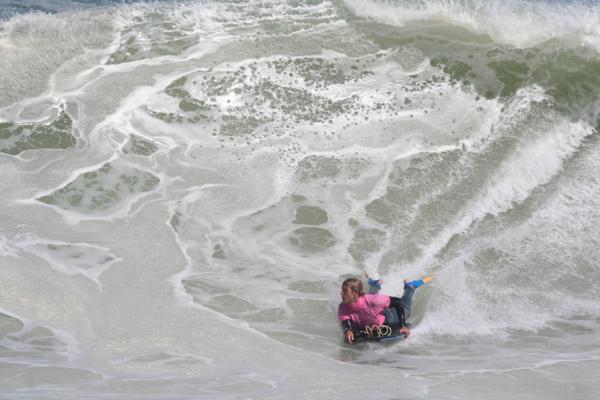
185 186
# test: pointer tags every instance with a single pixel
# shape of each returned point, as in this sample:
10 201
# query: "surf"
188 183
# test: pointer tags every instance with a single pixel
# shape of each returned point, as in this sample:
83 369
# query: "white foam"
521 24
128 202
7 249
38 44
68 258
533 164
236 196
24 346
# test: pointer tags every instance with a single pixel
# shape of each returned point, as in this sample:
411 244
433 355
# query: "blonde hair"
355 285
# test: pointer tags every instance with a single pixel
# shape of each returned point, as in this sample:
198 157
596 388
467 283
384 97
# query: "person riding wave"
362 313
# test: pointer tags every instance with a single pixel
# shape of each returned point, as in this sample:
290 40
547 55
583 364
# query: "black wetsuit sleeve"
396 303
346 325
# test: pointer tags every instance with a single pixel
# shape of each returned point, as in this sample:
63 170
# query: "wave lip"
518 23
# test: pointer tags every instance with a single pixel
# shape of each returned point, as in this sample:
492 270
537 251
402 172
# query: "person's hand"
349 336
405 331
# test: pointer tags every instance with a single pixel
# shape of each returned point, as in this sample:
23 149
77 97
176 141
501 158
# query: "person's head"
352 289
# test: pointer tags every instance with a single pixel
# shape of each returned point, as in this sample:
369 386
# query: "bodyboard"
396 336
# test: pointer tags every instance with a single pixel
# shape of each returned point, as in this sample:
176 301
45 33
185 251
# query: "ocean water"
185 185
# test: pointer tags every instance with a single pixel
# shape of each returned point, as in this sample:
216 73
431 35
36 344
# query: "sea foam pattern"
186 184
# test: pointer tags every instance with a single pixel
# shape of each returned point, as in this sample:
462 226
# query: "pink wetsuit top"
367 310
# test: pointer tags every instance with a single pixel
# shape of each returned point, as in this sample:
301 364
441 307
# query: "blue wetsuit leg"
407 297
374 285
